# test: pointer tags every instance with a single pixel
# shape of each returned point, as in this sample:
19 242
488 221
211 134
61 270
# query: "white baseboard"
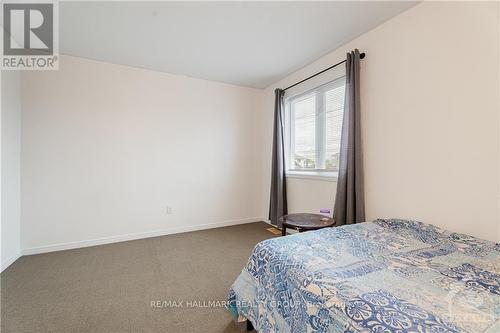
9 262
128 237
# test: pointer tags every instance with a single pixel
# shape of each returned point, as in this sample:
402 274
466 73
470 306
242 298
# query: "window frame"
319 93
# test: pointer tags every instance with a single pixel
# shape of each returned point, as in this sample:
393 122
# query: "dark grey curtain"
349 200
277 204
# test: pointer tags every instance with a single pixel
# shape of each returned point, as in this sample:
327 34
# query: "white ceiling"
244 43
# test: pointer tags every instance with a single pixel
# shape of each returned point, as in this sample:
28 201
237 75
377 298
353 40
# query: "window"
313 128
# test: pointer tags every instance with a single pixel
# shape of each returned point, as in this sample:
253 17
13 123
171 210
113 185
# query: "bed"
383 276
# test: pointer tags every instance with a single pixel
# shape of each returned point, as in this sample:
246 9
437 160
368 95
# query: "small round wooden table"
305 222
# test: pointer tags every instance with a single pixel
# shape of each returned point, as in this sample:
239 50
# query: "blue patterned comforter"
382 276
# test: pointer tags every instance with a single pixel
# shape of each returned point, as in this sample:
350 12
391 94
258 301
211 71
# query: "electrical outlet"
169 210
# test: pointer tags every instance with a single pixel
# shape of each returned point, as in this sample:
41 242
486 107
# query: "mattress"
383 276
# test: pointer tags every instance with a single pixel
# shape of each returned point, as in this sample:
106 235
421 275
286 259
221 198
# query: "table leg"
283 230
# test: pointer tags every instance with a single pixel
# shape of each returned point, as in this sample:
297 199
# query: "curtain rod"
361 56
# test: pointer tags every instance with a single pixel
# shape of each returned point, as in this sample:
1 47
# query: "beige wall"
10 168
307 195
430 113
105 149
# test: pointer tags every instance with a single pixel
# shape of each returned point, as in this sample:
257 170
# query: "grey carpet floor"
109 288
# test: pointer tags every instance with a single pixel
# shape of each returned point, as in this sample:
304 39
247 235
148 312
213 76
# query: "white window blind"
313 128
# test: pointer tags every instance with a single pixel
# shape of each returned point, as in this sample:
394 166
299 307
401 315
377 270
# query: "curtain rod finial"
362 55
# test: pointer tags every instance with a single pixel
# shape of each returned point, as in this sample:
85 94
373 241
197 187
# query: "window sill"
313 175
